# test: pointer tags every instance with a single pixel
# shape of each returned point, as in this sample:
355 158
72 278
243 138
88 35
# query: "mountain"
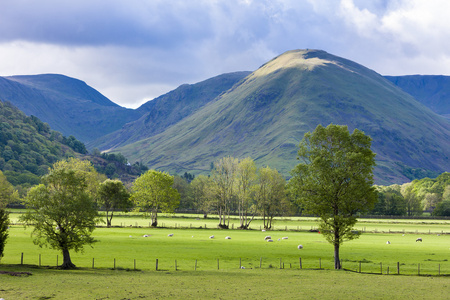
169 109
68 105
266 114
431 90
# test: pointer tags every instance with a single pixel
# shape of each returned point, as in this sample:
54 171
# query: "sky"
135 50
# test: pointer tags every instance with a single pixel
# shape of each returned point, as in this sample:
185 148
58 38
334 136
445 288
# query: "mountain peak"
302 59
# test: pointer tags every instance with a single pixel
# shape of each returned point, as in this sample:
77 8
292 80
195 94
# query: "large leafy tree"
335 180
153 191
62 208
112 195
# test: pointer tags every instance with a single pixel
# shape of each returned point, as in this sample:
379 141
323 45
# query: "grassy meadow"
192 265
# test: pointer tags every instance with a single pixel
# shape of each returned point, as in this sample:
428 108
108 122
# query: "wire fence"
165 264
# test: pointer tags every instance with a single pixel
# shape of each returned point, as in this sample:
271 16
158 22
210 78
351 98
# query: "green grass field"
193 265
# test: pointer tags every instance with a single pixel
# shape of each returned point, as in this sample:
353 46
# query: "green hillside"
28 147
267 113
168 110
68 105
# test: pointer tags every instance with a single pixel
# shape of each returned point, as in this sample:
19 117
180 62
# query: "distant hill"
28 147
266 115
431 90
68 105
169 109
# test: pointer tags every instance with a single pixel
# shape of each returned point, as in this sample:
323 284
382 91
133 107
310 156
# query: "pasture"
123 261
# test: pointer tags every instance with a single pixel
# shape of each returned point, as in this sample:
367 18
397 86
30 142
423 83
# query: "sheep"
228 238
145 235
242 267
267 237
388 243
270 240
211 237
419 240
284 238
279 239
131 236
300 247
263 230
170 234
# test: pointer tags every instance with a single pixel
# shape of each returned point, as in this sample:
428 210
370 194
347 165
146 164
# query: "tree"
270 193
245 180
201 188
184 189
413 203
153 191
62 209
4 223
223 177
390 201
7 195
112 195
335 179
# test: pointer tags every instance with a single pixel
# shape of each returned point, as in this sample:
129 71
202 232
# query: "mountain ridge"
329 92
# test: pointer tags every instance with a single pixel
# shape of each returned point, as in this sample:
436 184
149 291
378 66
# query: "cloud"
134 50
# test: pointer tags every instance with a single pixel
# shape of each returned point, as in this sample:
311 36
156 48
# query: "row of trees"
237 186
413 198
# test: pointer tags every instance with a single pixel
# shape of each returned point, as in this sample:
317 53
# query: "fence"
157 264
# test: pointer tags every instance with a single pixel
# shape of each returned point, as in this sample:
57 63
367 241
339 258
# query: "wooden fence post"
39 260
217 264
320 264
114 263
135 264
21 259
280 262
92 263
300 262
240 262
57 263
156 264
175 265
418 269
260 262
381 268
359 266
195 267
398 268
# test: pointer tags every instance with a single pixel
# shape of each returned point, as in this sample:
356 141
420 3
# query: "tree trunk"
337 261
67 262
108 219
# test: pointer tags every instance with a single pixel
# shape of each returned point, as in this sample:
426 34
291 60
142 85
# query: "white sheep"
228 238
270 240
131 236
242 267
263 230
419 240
170 234
284 238
145 235
300 247
267 237
211 237
388 243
